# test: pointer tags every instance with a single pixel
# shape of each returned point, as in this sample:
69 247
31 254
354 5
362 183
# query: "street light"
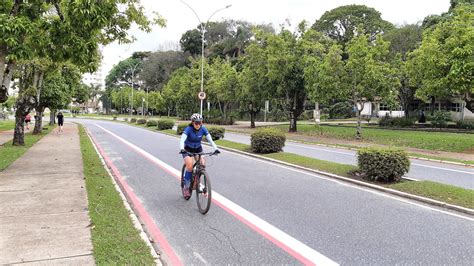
133 68
203 31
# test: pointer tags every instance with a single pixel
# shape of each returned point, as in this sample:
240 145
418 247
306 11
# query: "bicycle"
200 182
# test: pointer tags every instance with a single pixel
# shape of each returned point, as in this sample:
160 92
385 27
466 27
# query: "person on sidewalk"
27 121
60 122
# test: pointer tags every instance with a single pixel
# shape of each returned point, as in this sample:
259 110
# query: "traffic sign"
202 95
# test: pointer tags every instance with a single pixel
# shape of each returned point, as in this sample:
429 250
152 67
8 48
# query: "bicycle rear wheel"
182 183
203 192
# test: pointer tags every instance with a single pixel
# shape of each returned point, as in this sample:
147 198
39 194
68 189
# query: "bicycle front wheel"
203 192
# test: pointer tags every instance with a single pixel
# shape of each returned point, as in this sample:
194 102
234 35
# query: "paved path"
5 136
43 205
455 175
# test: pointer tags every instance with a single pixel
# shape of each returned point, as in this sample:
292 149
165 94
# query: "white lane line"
445 169
296 248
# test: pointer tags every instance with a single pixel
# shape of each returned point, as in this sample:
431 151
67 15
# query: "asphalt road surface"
264 213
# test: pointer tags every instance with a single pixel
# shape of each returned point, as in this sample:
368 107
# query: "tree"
404 40
255 85
191 41
223 84
124 73
157 69
444 64
342 23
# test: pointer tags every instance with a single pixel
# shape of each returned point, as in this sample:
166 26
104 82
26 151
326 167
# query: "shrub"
340 110
267 140
141 121
165 124
181 128
388 165
465 124
151 123
388 121
221 120
440 119
133 120
115 117
216 132
324 117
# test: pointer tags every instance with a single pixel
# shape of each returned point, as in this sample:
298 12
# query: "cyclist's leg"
188 160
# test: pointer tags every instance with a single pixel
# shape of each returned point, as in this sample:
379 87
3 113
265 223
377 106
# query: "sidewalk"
43 205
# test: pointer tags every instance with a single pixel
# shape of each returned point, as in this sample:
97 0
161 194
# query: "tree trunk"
252 119
6 77
292 122
38 121
52 118
19 134
359 128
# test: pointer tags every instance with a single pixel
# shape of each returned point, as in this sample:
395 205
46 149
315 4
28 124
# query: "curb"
354 149
135 220
356 182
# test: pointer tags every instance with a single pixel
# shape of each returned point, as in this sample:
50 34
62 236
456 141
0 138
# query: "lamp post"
203 31
133 68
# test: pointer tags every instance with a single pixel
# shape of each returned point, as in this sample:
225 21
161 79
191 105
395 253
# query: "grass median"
7 125
445 193
10 153
114 238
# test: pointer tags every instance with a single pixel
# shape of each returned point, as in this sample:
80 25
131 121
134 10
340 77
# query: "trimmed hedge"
151 123
267 140
216 132
181 128
133 120
387 165
165 124
141 121
465 124
388 121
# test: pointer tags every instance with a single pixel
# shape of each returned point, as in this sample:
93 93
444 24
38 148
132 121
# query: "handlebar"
198 153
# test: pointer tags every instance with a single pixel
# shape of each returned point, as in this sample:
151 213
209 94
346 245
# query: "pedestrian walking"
27 121
60 122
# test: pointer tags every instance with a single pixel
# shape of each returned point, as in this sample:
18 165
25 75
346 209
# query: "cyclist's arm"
209 139
181 142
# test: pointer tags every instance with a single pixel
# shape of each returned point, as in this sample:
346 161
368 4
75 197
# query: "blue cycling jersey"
194 136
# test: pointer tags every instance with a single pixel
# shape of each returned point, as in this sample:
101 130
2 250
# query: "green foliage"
388 121
158 67
181 127
124 72
443 63
465 124
440 119
342 23
216 132
152 123
141 121
385 165
133 120
340 110
165 124
267 140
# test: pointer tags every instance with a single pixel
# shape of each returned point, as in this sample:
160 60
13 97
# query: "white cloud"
180 18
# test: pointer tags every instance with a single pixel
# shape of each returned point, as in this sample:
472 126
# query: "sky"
179 18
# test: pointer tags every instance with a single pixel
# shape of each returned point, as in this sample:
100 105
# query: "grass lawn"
451 142
445 193
9 153
7 124
115 240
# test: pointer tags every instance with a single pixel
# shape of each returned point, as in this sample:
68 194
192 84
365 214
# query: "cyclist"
191 142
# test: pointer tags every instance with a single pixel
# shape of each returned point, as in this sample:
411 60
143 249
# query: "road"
264 213
460 176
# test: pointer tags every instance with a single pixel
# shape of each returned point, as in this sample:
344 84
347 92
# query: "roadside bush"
340 110
220 120
216 132
141 121
151 123
440 119
165 124
386 165
388 121
133 120
181 128
465 124
267 140
324 117
115 117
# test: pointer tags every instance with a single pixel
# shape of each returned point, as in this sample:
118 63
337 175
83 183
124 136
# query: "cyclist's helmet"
196 118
